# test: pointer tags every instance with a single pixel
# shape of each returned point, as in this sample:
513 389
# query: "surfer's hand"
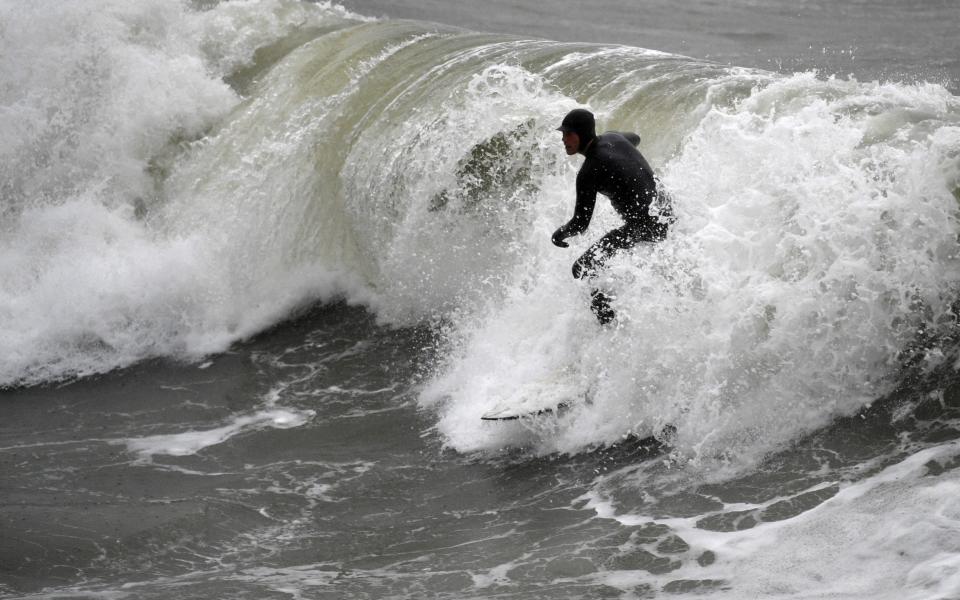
558 238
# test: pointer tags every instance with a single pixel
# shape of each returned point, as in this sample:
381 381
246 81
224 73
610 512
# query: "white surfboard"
510 413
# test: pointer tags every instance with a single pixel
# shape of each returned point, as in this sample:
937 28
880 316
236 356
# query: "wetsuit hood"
580 121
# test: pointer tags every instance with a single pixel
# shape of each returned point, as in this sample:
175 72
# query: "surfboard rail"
512 414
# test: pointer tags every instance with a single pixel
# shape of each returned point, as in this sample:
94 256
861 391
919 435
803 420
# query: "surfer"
615 168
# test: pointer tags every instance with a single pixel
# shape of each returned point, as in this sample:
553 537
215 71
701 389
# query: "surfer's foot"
600 305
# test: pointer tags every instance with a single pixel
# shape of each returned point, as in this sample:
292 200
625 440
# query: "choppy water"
264 265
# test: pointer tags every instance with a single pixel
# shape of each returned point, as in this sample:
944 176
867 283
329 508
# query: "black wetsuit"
615 168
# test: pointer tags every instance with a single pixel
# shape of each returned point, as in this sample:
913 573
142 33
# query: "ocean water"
265 263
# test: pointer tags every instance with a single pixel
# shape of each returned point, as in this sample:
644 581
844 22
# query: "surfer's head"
578 129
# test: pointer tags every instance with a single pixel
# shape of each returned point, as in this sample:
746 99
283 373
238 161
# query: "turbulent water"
264 264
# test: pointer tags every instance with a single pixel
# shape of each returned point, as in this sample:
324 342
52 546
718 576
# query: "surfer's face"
571 142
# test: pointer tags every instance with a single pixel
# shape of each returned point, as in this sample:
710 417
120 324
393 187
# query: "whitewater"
265 263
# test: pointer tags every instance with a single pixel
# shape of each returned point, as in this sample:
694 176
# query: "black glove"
558 237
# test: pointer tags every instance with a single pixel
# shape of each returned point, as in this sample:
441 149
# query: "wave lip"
103 98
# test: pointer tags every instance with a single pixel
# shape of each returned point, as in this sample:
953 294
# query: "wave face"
814 257
178 179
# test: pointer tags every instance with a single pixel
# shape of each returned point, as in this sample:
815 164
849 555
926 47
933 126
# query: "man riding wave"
615 168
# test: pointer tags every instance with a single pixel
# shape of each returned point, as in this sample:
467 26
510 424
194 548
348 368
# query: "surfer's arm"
582 213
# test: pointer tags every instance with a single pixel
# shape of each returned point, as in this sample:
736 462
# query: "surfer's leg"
588 265
590 262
